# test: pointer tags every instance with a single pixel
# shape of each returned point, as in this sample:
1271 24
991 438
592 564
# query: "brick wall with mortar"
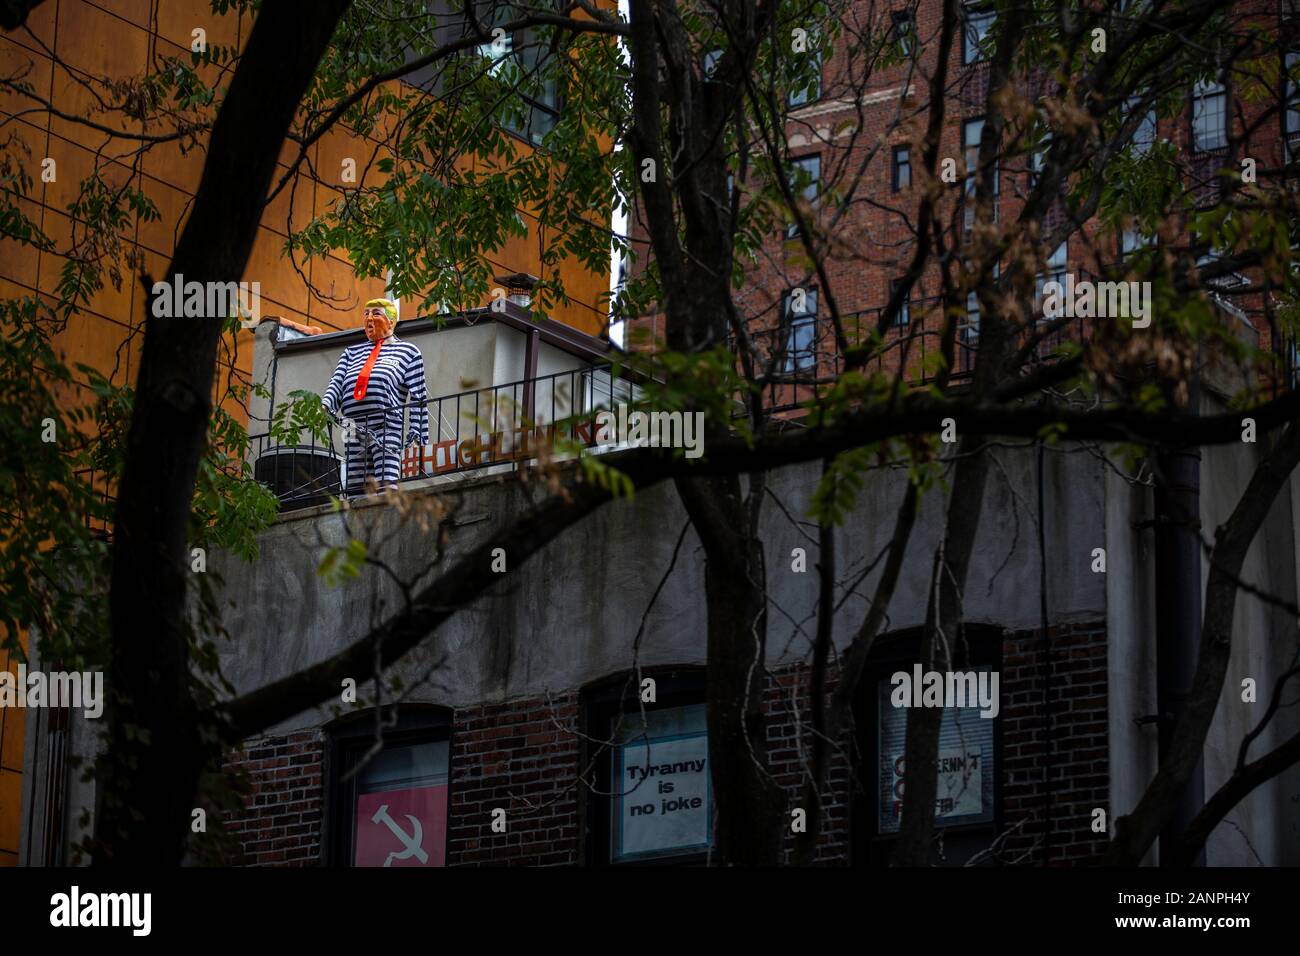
280 824
1072 720
524 756
874 237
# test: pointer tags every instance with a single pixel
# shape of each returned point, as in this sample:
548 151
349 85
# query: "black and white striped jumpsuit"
397 378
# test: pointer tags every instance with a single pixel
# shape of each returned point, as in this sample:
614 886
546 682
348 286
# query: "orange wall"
115 38
11 776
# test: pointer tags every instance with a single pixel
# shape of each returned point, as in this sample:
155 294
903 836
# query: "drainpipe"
1178 610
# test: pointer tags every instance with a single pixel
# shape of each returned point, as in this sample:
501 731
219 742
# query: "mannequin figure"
370 384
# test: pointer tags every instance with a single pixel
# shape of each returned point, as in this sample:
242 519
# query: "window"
811 91
522 61
978 24
498 53
652 801
710 63
1038 158
966 760
393 811
518 61
904 32
1291 117
970 331
1144 136
902 168
1209 116
799 321
904 315
805 174
967 797
1131 241
972 130
1055 270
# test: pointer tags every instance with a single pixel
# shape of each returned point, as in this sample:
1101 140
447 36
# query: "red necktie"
363 379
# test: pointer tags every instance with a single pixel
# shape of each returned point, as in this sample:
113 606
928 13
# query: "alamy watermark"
946 689
196 300
652 429
81 689
77 909
1086 299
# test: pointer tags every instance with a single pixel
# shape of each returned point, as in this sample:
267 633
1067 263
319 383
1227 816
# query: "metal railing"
797 367
495 428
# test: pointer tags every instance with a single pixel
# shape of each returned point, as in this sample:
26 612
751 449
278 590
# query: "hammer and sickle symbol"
412 844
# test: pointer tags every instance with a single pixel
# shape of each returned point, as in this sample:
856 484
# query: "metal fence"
494 429
798 363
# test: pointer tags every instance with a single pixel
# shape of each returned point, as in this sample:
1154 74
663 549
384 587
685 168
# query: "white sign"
960 785
664 803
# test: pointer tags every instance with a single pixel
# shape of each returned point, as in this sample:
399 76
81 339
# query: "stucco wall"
569 615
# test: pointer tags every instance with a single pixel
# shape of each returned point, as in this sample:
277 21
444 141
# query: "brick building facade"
529 757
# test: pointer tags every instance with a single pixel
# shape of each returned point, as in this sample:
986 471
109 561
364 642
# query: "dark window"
972 130
978 24
1209 116
902 167
392 811
520 60
904 315
967 805
811 91
805 174
799 315
652 799
1038 158
970 330
1144 136
904 31
1056 268
711 61
523 61
1131 241
1291 116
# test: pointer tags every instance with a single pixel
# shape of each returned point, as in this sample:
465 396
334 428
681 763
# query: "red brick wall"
280 824
873 241
521 756
524 756
1076 759
786 705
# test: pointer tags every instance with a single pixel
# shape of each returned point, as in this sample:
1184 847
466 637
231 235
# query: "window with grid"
799 308
972 130
811 91
970 331
979 21
1144 136
1291 116
904 314
1054 271
904 31
805 173
1209 116
902 168
521 60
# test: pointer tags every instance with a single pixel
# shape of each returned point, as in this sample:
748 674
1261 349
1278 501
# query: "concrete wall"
1263 647
570 614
